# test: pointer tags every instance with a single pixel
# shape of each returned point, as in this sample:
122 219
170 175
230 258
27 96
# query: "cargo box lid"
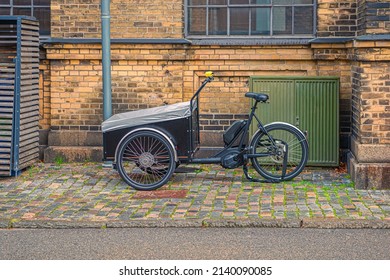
147 116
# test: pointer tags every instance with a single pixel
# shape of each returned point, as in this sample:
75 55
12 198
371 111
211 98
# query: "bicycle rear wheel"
290 148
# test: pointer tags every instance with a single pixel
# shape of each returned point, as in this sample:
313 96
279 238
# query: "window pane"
218 21
235 2
22 12
197 21
197 2
42 2
217 2
239 21
303 21
282 2
22 2
5 11
261 21
43 15
260 1
303 1
282 17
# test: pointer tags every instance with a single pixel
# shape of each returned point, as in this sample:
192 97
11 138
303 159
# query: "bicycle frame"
242 149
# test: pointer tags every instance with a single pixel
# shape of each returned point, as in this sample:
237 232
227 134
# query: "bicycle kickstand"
245 169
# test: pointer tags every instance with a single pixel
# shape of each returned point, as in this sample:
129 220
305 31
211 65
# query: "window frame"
31 6
207 6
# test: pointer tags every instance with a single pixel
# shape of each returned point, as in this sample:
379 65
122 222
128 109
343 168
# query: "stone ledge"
73 154
369 175
250 41
173 41
75 138
370 153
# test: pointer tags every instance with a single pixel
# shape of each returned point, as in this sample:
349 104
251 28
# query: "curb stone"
4 224
36 224
345 224
197 223
191 223
255 223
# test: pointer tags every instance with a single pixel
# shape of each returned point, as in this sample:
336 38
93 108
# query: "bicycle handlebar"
209 77
209 74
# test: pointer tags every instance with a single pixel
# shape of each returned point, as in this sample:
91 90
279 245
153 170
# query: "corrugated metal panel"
19 93
311 104
280 91
281 102
318 111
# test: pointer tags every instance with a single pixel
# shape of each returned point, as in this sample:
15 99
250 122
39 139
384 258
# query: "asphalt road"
195 243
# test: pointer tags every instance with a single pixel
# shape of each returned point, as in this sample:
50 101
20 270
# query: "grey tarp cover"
147 116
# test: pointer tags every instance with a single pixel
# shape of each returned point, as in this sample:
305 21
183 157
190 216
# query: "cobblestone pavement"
88 195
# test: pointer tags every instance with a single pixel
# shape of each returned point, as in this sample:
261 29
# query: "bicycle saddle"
259 97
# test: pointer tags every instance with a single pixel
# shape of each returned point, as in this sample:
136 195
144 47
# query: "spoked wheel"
290 150
145 160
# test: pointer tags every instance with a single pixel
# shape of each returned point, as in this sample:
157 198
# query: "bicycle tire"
287 137
145 160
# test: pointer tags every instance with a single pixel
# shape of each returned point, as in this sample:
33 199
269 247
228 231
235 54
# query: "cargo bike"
146 146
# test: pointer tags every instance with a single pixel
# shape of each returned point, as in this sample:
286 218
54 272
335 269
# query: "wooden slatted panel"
29 95
19 97
7 86
7 80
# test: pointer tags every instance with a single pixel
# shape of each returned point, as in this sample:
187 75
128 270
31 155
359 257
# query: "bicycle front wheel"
145 160
284 145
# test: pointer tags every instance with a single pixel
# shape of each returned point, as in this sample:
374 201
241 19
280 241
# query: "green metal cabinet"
311 104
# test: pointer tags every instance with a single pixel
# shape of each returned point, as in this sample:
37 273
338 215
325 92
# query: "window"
262 18
39 9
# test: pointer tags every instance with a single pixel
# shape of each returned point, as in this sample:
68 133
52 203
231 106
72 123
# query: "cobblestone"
88 195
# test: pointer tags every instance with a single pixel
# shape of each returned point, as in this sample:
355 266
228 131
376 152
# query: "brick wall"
146 76
361 17
223 100
371 93
129 18
142 76
154 75
373 16
336 18
377 16
369 163
44 91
